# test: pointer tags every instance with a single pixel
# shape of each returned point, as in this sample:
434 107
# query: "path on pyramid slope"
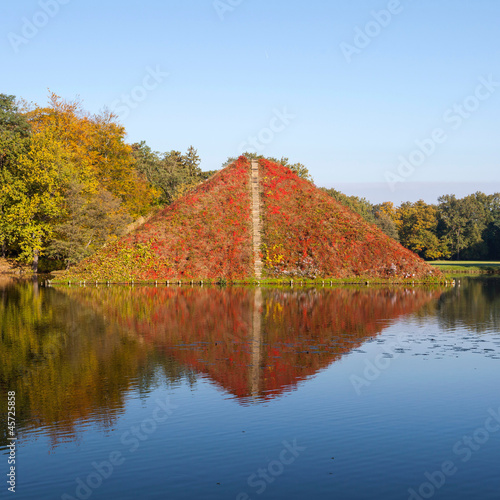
256 220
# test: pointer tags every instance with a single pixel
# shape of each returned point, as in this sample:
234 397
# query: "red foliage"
309 234
214 331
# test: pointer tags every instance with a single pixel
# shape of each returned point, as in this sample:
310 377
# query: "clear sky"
345 87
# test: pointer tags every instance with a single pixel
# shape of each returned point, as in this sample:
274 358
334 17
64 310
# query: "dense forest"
70 184
455 228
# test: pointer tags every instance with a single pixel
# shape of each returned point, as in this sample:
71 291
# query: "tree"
171 173
14 131
91 222
191 162
67 147
492 231
462 223
33 196
372 214
163 172
385 223
359 205
417 226
14 141
97 150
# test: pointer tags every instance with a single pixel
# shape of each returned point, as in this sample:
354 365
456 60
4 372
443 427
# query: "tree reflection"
474 305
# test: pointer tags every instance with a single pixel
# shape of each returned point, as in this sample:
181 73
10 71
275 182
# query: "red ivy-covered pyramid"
207 234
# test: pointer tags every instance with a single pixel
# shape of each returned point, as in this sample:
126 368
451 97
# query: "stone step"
256 221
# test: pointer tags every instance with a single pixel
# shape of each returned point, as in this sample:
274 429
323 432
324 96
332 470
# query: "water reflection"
254 344
474 306
67 364
73 354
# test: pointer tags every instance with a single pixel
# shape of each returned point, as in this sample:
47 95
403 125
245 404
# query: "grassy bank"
59 280
467 266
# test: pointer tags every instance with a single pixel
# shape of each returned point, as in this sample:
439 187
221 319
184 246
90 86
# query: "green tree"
14 131
14 141
371 213
462 223
171 173
359 205
191 163
492 231
385 223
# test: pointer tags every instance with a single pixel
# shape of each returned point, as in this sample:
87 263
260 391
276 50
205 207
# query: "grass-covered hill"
207 234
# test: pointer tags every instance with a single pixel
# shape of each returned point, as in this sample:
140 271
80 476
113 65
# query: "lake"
244 393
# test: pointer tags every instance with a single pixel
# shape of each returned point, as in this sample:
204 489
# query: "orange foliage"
98 154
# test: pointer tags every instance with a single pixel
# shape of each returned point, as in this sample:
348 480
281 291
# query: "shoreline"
446 281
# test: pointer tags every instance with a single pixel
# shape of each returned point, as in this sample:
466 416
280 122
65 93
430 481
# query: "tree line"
70 184
455 228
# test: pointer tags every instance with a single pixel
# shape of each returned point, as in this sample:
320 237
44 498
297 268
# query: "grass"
467 266
262 282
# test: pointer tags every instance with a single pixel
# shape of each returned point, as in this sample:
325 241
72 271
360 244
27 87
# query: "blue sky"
334 85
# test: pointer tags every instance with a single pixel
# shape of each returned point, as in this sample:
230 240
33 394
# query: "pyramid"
254 220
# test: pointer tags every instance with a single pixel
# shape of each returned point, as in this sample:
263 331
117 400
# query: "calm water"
188 393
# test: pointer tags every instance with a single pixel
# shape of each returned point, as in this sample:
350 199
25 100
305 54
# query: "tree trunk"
34 266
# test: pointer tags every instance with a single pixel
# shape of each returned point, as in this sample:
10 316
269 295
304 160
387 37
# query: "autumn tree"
91 222
67 147
33 195
417 225
99 153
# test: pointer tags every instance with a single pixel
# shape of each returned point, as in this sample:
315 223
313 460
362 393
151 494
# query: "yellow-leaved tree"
76 184
33 194
100 157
